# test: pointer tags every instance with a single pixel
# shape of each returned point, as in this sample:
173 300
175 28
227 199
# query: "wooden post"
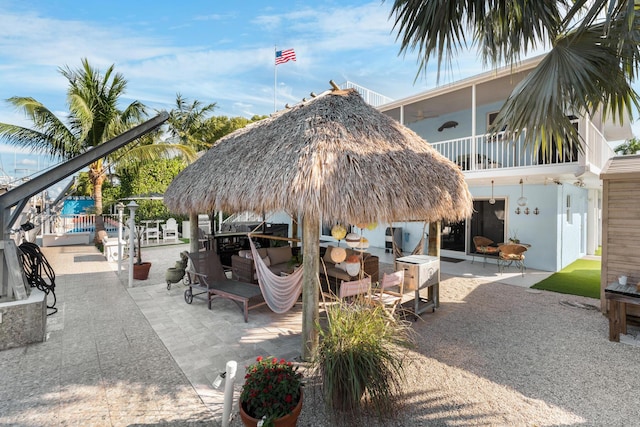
434 239
194 243
310 300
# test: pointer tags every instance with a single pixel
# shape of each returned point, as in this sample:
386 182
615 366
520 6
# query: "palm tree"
186 123
93 119
593 57
632 146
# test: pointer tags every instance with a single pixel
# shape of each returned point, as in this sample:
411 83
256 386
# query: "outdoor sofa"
279 260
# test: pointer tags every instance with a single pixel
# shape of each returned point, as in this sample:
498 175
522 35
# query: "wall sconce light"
526 211
517 211
536 211
522 201
492 201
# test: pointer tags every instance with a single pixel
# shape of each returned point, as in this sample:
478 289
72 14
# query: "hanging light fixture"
492 201
522 201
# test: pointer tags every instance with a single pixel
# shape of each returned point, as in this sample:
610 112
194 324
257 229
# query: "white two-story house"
551 203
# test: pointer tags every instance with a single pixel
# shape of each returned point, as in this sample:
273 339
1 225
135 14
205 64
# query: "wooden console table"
619 296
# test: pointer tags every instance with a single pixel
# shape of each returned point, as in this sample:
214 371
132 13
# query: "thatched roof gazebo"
331 159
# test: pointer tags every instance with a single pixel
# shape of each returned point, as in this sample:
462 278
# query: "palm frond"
49 134
502 30
581 74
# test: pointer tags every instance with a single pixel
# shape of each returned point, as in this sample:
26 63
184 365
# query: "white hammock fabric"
279 292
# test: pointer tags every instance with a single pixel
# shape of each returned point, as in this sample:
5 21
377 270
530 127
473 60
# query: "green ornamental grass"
360 357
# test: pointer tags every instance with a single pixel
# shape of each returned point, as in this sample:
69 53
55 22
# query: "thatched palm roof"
335 157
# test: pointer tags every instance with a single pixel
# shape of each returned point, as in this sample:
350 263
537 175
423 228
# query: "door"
488 221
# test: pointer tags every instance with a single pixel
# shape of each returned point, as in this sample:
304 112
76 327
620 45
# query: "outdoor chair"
206 273
151 233
354 289
484 247
390 292
170 231
512 254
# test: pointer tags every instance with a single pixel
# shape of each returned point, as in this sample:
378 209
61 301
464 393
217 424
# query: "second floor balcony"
482 152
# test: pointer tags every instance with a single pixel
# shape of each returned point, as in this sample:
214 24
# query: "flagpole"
275 77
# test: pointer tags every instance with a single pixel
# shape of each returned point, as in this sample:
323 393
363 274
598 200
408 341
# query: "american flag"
286 55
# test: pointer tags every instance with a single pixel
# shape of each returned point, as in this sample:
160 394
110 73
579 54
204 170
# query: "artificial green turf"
579 278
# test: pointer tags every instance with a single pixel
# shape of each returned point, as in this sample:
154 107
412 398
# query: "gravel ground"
501 355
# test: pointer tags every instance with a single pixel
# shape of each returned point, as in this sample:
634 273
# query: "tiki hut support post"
310 300
194 235
433 248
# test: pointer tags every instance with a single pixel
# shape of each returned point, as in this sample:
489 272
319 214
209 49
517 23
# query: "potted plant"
272 393
140 269
360 357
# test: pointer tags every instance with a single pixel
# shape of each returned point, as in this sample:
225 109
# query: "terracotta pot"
289 420
141 271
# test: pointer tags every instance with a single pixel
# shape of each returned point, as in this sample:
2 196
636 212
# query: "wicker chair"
484 247
512 254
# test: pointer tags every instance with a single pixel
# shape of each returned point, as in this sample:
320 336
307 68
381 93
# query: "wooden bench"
619 296
206 273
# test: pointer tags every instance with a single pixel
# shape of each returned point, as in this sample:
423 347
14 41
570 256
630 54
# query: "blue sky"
213 51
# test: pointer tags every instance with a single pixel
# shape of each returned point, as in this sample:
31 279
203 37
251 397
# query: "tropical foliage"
94 118
151 177
632 146
186 123
593 55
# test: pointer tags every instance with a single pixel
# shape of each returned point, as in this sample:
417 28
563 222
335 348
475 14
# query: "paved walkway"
102 364
142 356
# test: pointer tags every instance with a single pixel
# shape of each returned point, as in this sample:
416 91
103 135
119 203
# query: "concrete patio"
141 356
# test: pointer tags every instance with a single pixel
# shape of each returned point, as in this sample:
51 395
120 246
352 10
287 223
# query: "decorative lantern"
372 226
364 243
353 265
338 255
338 231
353 240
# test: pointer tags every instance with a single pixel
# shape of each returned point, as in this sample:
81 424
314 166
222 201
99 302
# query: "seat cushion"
487 249
512 257
280 254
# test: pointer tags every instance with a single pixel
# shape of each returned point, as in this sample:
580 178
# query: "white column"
132 226
120 208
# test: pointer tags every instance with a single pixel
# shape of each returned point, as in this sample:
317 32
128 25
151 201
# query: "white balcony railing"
496 152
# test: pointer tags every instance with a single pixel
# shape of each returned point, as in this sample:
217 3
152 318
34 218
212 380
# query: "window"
491 117
568 210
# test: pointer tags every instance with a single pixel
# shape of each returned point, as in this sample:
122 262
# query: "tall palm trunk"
97 177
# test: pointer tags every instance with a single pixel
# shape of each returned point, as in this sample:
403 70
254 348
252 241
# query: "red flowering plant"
272 389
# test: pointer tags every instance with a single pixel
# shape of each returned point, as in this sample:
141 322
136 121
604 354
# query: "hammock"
280 293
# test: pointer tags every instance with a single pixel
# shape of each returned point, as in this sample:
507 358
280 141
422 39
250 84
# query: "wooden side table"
618 296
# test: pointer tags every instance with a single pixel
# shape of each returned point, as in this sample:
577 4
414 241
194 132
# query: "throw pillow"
280 254
327 255
266 261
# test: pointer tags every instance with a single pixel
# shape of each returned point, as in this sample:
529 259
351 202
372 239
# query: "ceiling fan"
419 115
